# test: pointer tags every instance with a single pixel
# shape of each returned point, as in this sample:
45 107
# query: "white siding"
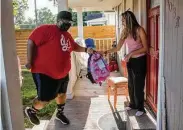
173 67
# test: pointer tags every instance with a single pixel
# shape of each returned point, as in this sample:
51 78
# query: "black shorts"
48 88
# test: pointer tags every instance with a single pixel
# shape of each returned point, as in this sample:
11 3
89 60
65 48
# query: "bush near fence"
103 36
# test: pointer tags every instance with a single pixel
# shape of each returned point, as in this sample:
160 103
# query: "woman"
134 37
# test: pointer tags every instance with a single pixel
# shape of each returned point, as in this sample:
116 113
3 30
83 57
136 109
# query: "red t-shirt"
52 51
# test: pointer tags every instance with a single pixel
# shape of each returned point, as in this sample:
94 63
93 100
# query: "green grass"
28 92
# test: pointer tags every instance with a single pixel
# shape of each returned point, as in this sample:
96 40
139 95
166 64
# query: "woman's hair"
131 24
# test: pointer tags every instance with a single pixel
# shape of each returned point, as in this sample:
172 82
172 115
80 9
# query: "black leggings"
136 81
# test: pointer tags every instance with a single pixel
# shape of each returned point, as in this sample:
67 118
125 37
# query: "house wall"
173 63
110 16
136 9
121 9
129 4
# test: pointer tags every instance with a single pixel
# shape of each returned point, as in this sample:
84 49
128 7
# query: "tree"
54 1
45 16
30 21
28 24
74 14
19 7
74 17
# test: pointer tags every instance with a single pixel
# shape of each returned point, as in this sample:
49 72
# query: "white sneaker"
128 108
139 113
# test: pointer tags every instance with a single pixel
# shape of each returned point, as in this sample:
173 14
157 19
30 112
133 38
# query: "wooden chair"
113 83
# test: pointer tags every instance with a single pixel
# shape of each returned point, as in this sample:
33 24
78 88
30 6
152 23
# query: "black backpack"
89 75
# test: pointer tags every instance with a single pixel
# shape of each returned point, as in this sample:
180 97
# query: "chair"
113 83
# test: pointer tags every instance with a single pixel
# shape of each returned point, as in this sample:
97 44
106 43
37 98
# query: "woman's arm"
117 48
120 43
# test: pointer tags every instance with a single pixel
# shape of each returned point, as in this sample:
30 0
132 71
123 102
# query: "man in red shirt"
48 57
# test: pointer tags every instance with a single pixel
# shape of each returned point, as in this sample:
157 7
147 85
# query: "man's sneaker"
62 118
31 114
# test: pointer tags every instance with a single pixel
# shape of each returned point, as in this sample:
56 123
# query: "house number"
177 22
173 9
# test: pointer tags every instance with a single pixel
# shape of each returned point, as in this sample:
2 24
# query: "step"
145 122
42 126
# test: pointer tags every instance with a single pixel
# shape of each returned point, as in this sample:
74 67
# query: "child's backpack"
98 68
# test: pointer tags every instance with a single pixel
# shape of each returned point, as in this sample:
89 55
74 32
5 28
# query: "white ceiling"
94 5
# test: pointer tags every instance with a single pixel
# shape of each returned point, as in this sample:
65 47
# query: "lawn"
28 92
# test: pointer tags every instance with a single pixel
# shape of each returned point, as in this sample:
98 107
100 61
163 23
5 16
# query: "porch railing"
101 44
104 43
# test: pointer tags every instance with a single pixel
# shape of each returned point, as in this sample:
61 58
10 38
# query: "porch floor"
88 106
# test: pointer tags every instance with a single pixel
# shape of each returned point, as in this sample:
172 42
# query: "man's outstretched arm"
78 48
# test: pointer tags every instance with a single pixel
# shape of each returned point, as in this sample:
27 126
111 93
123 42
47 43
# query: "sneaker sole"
61 121
29 117
139 115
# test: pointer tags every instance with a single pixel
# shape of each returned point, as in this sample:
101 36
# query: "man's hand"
90 50
28 65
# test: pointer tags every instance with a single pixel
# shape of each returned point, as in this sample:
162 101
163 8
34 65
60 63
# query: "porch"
91 110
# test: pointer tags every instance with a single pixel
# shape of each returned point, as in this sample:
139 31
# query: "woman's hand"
101 52
127 57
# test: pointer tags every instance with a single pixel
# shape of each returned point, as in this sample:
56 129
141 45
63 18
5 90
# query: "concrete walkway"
88 106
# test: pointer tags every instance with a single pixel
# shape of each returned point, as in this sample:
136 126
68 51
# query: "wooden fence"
103 36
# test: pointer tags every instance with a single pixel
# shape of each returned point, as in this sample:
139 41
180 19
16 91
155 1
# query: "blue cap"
89 43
